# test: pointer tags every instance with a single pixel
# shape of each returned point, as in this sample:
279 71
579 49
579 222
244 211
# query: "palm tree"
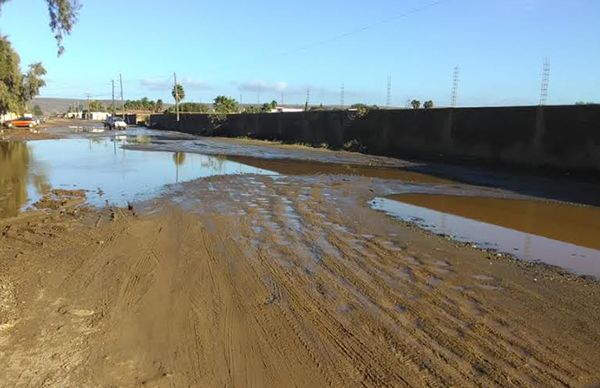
179 159
178 93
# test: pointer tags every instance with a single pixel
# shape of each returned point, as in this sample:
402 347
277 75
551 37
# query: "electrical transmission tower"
455 79
388 97
342 95
545 82
307 99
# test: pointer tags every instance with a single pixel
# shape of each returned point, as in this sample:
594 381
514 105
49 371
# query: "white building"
97 116
7 117
283 109
74 115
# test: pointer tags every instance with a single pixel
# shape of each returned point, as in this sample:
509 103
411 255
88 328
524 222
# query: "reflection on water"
557 234
99 165
18 176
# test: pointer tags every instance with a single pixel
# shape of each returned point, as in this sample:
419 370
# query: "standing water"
558 234
100 166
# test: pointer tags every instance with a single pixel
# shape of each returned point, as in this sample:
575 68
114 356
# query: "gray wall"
559 137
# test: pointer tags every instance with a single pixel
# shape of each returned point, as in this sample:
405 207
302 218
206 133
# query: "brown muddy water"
312 167
563 235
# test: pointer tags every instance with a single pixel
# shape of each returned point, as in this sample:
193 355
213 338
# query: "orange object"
23 122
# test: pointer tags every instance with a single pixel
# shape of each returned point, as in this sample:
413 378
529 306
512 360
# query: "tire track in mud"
439 336
293 284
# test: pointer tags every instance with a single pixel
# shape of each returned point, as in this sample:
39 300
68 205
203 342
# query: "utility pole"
307 99
122 102
454 95
342 95
113 97
176 89
88 106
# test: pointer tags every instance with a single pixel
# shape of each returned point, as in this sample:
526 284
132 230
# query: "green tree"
190 107
269 106
10 77
37 111
415 104
16 88
252 109
63 16
224 105
97 106
158 107
363 109
178 93
32 81
428 104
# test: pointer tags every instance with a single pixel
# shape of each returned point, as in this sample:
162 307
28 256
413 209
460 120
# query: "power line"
368 26
346 34
122 102
113 97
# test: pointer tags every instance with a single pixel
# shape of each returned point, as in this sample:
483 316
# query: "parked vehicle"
115 123
21 122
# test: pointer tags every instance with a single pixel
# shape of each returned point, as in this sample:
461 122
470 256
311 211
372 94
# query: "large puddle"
559 234
99 165
312 167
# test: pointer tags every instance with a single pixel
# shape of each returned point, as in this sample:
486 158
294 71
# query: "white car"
115 123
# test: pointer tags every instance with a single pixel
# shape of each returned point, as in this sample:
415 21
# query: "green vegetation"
354 146
37 111
178 93
264 108
96 106
144 104
363 109
63 16
428 104
252 109
16 88
268 107
190 107
225 105
415 104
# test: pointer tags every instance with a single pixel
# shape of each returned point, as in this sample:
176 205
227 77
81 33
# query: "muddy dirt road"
275 280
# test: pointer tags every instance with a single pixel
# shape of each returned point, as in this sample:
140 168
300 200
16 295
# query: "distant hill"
51 106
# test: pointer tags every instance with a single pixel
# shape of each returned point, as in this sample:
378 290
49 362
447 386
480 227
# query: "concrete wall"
559 137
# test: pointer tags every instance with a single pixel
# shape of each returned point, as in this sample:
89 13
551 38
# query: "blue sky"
258 50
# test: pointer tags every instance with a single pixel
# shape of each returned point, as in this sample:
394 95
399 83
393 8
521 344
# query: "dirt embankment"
256 281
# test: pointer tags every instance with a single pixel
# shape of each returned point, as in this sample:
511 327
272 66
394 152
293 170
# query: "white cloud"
261 86
166 84
156 84
193 84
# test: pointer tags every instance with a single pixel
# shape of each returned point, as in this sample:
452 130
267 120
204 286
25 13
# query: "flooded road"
101 166
266 272
559 234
